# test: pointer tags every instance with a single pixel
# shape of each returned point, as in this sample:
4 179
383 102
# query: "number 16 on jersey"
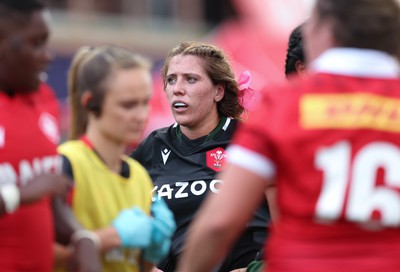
356 178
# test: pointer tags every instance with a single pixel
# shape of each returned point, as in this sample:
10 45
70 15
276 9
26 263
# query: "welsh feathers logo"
48 125
216 159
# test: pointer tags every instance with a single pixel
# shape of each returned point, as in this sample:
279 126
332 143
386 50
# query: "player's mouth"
179 106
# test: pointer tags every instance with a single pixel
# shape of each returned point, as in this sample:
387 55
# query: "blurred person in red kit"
332 147
29 164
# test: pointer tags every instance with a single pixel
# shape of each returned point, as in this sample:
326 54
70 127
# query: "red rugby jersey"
332 144
29 133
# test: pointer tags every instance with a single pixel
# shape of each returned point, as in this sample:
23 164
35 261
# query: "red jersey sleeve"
253 144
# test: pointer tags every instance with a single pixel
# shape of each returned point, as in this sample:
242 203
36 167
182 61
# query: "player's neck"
109 151
200 130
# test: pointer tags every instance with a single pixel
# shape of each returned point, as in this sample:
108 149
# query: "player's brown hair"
90 70
219 70
371 24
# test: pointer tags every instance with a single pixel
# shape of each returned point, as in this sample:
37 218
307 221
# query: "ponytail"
79 114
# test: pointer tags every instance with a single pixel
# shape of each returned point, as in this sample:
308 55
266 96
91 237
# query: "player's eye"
39 42
171 80
191 79
129 104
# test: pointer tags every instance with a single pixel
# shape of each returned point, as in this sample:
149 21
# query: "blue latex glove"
156 252
134 228
164 223
163 227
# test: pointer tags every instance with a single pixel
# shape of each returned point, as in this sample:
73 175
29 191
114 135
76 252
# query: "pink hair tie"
247 96
244 81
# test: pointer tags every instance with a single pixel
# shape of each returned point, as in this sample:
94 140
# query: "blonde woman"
109 92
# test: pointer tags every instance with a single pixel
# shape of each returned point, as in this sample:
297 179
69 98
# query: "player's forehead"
33 23
39 23
186 64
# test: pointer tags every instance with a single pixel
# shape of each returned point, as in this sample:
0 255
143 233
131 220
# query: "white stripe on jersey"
251 161
227 122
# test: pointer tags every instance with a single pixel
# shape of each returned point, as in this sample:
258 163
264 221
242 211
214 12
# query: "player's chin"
29 86
182 120
180 117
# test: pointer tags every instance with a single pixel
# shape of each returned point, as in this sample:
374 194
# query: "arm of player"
84 255
107 238
131 228
221 219
11 197
270 194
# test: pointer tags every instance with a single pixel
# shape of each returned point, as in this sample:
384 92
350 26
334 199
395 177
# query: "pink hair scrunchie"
247 96
244 81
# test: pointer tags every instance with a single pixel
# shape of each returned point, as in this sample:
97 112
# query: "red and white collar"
357 62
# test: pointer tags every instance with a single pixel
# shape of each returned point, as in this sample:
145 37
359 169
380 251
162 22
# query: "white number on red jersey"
358 177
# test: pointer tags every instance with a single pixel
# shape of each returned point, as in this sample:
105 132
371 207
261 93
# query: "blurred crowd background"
254 33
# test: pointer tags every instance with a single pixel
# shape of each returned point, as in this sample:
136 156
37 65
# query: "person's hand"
163 227
85 257
134 228
43 185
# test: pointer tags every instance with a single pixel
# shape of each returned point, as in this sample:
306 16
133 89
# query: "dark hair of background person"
294 51
21 6
219 70
90 71
217 11
374 25
17 11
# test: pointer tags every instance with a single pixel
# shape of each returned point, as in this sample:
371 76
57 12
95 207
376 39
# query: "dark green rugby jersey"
183 172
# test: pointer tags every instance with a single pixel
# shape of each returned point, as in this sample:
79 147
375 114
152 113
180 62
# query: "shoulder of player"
70 143
165 135
71 148
156 134
73 156
228 128
133 163
137 168
148 144
163 132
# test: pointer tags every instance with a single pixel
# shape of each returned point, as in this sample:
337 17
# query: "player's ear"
87 101
86 97
91 103
220 92
301 69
